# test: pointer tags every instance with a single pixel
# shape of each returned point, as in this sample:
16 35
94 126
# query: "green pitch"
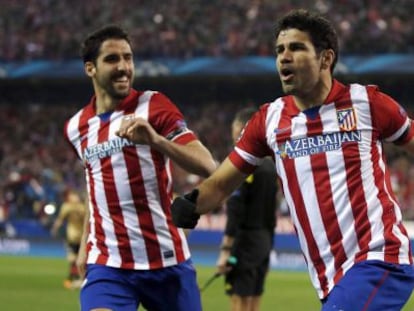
35 284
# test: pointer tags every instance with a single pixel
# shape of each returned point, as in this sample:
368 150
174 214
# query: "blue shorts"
371 286
169 289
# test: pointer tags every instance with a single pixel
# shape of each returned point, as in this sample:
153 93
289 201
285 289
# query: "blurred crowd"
50 29
38 167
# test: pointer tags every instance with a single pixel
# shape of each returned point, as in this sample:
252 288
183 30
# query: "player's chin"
122 93
288 89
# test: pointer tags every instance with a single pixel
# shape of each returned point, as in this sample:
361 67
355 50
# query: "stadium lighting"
49 209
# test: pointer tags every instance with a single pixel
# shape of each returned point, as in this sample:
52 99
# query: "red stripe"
166 197
325 200
113 204
142 208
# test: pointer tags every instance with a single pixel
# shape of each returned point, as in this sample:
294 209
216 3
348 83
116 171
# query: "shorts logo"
346 119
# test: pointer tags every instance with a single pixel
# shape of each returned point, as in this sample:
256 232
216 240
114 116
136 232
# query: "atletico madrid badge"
346 119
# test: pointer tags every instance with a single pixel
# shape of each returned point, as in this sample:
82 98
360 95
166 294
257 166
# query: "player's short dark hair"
90 47
321 31
244 114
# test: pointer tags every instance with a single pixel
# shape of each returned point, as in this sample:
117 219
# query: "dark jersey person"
249 230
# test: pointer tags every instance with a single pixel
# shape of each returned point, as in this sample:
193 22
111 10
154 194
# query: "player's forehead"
114 46
292 35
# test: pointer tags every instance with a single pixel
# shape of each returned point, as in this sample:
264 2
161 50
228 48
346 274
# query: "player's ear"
327 58
90 69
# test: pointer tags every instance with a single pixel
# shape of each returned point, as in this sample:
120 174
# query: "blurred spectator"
402 178
46 29
71 214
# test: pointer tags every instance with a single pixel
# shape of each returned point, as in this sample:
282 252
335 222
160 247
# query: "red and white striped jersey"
130 186
331 164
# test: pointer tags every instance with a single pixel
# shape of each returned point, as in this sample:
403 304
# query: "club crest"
346 119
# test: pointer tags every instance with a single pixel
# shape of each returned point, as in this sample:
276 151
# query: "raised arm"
193 157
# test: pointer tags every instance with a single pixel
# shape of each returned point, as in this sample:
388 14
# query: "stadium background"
209 57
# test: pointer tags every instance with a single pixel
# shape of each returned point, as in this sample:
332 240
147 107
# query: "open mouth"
286 74
121 80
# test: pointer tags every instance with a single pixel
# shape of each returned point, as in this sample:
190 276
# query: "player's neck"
105 103
316 97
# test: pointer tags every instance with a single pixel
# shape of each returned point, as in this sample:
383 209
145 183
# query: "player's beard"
288 89
109 85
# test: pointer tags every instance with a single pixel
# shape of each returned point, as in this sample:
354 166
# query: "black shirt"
251 214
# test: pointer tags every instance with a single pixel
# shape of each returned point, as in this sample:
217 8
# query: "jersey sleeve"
71 135
390 118
251 147
168 121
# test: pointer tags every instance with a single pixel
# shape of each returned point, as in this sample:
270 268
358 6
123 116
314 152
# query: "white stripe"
272 119
73 133
248 157
100 197
94 252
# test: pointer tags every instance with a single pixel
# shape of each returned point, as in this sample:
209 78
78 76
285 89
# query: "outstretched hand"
183 210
